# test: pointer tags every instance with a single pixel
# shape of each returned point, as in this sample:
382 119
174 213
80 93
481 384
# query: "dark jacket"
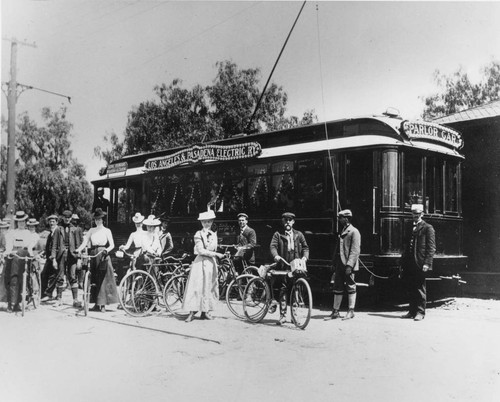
247 238
75 239
279 245
425 245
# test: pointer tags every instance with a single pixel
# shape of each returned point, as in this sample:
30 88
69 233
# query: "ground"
55 354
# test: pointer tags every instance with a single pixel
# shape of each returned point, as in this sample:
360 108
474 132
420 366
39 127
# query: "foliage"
458 93
48 179
181 117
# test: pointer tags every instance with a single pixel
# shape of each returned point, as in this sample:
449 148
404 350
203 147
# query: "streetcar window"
413 182
434 186
451 186
390 179
282 186
310 181
258 188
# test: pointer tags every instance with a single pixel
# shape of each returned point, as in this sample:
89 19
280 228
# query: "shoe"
102 309
9 309
95 308
58 302
207 316
419 317
190 317
281 321
349 315
16 308
273 307
335 314
77 304
45 299
408 315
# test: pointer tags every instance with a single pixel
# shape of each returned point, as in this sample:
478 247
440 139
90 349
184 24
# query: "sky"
343 59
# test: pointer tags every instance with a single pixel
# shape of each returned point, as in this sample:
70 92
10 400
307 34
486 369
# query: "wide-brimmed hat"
20 216
99 213
151 221
138 217
75 217
4 224
346 213
32 222
417 208
206 216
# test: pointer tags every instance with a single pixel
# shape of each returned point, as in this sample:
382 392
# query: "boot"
335 314
351 302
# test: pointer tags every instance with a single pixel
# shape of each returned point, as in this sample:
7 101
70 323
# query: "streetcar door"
356 194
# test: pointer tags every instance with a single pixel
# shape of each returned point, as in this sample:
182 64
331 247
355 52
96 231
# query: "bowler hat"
206 216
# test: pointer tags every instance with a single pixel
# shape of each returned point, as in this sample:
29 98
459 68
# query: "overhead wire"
332 171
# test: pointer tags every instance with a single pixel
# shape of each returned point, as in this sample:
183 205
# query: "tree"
183 117
458 93
49 179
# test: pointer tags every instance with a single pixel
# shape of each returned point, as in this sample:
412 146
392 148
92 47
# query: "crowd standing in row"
64 242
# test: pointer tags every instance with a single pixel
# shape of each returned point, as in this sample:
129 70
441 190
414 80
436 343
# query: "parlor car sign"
200 153
421 130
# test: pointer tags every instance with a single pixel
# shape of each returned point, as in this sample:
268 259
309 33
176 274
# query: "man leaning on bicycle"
287 244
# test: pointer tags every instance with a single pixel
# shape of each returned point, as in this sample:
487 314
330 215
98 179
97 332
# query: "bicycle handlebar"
131 255
90 256
27 258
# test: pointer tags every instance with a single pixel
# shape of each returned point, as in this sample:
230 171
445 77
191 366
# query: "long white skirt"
202 289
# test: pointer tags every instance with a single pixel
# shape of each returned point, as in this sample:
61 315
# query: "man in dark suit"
246 241
67 239
50 269
416 261
100 201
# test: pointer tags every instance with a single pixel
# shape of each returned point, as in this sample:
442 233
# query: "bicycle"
232 284
139 290
227 271
31 283
87 280
259 296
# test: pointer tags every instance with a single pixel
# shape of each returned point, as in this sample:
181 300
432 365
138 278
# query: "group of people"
65 241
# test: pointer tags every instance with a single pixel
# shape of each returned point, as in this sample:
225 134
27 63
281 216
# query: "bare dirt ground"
54 354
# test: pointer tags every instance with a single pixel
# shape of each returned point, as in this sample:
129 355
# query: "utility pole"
11 130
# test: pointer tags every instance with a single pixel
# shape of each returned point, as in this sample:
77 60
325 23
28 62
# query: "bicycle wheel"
138 293
86 292
173 295
234 294
256 299
222 276
24 293
301 303
251 270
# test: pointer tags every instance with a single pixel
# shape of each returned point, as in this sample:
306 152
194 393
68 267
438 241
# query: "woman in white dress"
100 240
202 289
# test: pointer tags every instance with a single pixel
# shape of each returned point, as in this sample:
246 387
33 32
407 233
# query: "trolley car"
377 166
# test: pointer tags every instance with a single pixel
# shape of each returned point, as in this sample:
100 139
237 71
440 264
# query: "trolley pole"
11 128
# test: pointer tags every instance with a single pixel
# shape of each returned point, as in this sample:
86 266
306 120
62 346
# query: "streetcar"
377 166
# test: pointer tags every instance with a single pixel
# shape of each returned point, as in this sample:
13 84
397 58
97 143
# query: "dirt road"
53 355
